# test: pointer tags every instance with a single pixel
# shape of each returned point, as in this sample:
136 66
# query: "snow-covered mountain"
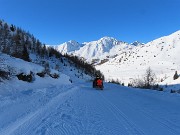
95 52
123 61
69 46
162 55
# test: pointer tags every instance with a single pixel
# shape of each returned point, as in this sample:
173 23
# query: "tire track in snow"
79 117
88 116
166 122
26 124
62 119
118 121
163 122
129 126
92 119
84 119
58 117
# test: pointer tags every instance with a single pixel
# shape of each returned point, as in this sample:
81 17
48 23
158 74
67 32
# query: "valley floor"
78 109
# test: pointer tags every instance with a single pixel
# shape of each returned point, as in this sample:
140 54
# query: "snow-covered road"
81 110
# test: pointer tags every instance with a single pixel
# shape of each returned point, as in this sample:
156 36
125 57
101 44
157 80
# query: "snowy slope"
72 109
18 65
122 61
162 55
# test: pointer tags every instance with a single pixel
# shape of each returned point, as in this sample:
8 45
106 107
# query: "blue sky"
58 21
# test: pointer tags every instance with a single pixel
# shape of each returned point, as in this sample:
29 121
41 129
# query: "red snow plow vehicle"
98 83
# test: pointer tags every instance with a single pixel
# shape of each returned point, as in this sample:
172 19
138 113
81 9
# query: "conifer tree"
176 76
25 54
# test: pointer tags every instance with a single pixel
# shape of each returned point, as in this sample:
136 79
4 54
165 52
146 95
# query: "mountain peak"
71 42
69 46
106 38
137 43
107 41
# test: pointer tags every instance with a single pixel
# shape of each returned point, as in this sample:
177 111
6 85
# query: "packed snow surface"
57 108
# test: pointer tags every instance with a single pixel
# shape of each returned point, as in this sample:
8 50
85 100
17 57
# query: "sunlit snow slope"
123 61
